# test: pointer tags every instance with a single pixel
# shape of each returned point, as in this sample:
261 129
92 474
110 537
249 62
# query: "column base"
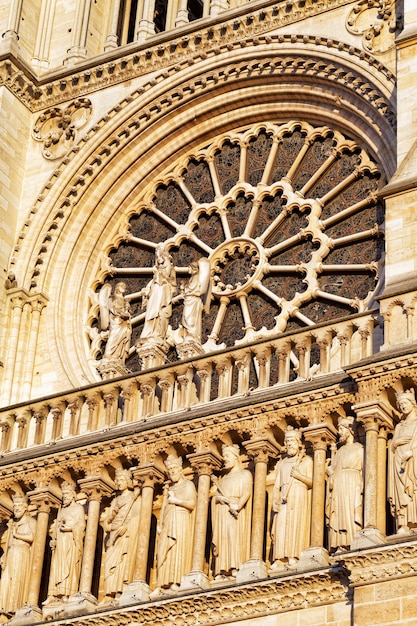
53 610
366 538
28 614
194 580
80 604
138 591
313 558
253 569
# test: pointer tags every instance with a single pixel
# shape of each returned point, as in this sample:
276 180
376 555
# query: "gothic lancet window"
289 219
127 20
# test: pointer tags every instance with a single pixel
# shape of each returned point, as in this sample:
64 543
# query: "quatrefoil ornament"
57 128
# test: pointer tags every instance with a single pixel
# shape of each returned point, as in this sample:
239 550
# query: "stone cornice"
384 563
234 29
231 603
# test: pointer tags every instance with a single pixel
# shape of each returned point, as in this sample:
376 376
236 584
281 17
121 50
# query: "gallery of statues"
208 329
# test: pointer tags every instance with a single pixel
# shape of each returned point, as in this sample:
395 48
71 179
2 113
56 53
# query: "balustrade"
297 356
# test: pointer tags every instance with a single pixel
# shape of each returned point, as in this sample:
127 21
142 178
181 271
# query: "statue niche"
231 516
175 529
120 523
67 537
16 560
345 488
115 322
402 475
291 502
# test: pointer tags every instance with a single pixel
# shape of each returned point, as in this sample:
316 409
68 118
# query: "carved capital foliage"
320 435
205 462
148 475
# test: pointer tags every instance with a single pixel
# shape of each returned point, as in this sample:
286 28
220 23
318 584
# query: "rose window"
289 219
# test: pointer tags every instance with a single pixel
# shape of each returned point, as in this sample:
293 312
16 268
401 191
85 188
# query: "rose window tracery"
286 214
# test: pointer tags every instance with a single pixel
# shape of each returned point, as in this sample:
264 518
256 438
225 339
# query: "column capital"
205 462
148 475
44 499
261 449
320 435
374 414
96 487
38 301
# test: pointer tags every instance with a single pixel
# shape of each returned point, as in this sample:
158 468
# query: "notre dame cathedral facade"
208 287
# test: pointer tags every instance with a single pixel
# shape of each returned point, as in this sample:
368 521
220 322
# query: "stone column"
264 362
111 38
260 450
37 304
44 34
44 500
146 26
40 417
182 14
78 49
84 602
204 463
373 415
18 299
93 409
138 590
12 31
381 487
320 436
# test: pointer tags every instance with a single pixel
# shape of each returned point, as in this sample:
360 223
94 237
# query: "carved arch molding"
289 218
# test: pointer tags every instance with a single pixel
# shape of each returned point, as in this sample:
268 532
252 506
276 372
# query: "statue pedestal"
252 570
189 348
152 355
53 610
80 603
194 580
27 615
111 369
138 591
313 558
366 538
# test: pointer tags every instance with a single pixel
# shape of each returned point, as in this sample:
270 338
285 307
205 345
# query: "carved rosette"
375 20
56 128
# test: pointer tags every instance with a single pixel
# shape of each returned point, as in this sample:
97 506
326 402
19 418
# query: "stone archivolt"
301 65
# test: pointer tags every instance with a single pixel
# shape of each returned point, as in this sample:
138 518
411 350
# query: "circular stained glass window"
289 219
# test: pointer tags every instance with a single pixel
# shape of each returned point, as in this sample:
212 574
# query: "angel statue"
197 295
115 318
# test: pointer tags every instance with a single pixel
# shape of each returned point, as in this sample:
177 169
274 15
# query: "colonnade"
139 496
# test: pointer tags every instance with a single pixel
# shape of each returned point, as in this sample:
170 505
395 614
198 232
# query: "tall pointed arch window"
127 20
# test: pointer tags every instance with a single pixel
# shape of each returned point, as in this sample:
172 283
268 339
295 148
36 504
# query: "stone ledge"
260 599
